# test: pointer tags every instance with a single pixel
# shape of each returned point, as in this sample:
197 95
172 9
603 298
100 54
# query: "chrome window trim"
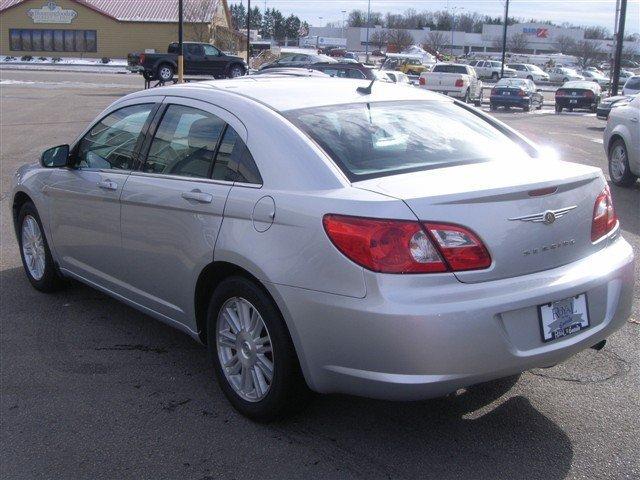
181 177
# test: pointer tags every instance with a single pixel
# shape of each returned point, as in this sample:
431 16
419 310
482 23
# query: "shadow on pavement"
70 355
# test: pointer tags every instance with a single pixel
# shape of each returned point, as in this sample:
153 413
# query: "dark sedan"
578 95
605 105
516 92
345 70
297 60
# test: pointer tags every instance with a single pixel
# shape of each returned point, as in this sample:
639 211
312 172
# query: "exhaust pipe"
600 345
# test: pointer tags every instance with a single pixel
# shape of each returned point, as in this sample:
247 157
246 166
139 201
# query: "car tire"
558 109
478 101
493 106
465 99
236 71
527 108
619 170
36 256
165 72
495 77
529 77
257 349
570 109
565 79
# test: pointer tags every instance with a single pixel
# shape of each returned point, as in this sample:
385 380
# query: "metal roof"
159 11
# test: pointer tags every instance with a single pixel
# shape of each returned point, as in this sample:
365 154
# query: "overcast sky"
579 12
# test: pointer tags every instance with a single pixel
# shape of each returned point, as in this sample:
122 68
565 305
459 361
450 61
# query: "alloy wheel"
166 73
33 247
244 349
618 162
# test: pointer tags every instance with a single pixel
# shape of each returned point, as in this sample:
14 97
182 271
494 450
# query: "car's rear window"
633 83
368 140
450 69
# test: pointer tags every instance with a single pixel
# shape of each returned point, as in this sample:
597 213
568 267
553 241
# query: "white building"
541 38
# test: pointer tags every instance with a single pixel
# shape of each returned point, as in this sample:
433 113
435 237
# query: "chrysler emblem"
547 217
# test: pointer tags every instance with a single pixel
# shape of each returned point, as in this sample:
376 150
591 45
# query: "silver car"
367 239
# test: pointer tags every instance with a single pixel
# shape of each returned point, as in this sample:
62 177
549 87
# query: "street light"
180 44
343 12
366 47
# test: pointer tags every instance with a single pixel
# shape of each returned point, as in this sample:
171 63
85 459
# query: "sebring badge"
547 217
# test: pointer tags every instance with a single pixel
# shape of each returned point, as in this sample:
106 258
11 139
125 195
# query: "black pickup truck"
199 59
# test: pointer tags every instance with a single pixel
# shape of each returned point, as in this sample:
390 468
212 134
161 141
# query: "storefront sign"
52 13
538 32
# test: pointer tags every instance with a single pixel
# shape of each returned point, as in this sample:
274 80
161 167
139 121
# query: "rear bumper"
408 341
603 113
579 102
510 101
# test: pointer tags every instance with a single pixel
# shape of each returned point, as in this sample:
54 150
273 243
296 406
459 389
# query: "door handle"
198 196
108 185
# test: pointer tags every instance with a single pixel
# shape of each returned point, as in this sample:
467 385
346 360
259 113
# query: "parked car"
606 104
578 95
297 60
516 92
199 59
624 76
397 77
632 86
290 72
621 142
529 71
455 80
599 78
344 70
390 243
563 74
492 69
405 63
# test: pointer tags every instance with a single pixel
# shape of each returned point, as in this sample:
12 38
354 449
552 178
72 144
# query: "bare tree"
379 38
400 38
565 43
587 51
198 16
517 43
436 40
629 52
496 42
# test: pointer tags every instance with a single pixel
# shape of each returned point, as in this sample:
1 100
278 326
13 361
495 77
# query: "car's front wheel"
236 71
619 170
253 355
34 250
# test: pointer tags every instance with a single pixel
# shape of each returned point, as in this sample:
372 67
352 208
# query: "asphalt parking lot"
93 389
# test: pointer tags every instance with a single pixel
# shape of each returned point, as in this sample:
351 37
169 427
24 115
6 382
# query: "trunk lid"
496 199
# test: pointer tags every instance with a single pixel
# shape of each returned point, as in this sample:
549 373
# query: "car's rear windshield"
368 140
633 83
450 69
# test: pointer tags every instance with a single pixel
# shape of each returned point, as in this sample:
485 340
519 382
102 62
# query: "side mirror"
55 157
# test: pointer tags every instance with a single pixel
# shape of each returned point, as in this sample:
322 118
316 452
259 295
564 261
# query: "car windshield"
368 140
581 84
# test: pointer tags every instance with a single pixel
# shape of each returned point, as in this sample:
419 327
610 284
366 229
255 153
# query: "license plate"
573 101
505 93
563 318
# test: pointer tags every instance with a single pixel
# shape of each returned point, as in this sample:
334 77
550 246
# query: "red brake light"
604 216
588 94
141 59
560 93
401 246
459 82
494 91
460 247
422 81
522 93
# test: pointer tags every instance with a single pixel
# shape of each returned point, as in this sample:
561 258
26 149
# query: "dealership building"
541 38
106 28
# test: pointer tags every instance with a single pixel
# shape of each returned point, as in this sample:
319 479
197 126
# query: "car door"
172 208
214 61
194 61
85 199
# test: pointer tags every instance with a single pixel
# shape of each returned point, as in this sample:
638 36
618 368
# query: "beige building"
108 28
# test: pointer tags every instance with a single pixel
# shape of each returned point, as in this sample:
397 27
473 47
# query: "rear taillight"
459 82
522 93
589 94
400 246
141 59
561 93
422 81
604 216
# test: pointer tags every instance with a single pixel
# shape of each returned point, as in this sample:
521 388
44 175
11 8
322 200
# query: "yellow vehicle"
409 64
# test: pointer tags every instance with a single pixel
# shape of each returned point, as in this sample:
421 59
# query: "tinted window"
112 141
184 143
193 49
234 161
375 139
450 69
633 83
211 50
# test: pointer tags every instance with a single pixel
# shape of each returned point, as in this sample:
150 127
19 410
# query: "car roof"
282 93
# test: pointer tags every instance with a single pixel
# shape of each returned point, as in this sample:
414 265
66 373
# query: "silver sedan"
363 239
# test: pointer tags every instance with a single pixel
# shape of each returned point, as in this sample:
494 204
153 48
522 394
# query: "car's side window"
211 51
353 73
184 143
111 143
234 161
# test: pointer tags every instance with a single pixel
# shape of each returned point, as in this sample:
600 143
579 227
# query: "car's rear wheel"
495 77
34 250
619 170
253 355
465 99
558 109
565 79
527 108
529 77
165 72
478 101
493 106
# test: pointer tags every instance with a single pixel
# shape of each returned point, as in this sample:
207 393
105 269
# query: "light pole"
180 44
343 12
248 30
504 36
366 47
615 80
